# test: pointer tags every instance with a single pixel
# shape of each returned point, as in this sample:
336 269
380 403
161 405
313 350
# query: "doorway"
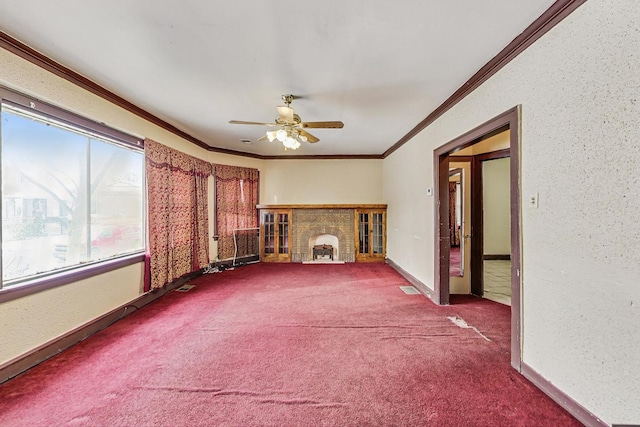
496 225
459 228
443 157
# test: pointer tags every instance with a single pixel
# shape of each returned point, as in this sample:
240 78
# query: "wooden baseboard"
49 349
488 257
424 289
558 396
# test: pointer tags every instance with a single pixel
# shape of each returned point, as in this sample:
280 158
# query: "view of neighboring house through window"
69 196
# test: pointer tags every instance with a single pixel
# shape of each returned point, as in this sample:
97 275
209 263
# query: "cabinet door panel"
275 227
268 233
283 233
370 235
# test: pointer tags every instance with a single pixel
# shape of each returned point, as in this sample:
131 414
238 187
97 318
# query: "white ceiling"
378 66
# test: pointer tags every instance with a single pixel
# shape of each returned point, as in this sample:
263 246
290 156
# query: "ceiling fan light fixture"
291 133
271 135
291 143
281 135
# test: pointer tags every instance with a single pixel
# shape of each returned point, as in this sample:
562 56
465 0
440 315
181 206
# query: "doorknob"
466 236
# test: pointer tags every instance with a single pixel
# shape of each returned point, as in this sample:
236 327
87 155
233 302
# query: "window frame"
75 273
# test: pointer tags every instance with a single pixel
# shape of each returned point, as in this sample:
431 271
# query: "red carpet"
455 260
288 345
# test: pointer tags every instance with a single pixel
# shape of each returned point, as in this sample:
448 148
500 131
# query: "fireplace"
312 227
322 252
333 225
324 247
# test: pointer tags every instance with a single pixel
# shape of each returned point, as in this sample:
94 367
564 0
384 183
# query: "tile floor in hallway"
497 281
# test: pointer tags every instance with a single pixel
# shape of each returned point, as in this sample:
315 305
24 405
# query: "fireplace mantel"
330 206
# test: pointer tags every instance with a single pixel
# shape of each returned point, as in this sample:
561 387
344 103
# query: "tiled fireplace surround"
308 223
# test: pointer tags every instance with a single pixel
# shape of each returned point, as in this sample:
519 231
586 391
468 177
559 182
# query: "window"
72 191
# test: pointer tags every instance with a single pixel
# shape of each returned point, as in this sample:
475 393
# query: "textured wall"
30 321
578 87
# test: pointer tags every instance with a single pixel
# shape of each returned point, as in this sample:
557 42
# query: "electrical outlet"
533 201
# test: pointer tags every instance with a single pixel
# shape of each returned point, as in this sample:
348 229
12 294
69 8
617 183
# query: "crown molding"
552 16
25 52
326 157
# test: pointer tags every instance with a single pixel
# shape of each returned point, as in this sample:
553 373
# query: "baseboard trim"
49 349
424 289
488 257
561 398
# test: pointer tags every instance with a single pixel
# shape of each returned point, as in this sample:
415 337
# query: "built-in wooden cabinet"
283 241
275 235
370 234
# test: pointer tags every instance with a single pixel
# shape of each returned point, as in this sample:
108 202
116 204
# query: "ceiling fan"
291 129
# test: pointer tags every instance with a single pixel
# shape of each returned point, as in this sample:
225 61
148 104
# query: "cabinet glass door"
283 233
276 235
378 233
370 235
269 233
363 233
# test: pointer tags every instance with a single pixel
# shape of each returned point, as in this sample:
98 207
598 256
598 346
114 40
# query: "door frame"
477 217
510 120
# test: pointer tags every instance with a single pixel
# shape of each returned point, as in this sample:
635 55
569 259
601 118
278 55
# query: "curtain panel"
178 221
236 200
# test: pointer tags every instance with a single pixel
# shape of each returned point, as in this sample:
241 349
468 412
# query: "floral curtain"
236 200
454 231
177 214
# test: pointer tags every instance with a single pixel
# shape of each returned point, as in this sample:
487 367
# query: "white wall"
496 209
322 182
578 87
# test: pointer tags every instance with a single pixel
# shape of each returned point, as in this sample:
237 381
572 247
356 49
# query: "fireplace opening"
324 247
322 252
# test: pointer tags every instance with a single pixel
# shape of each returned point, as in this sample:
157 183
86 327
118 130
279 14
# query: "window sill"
49 281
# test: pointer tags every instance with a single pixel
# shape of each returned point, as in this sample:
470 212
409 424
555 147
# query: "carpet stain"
459 321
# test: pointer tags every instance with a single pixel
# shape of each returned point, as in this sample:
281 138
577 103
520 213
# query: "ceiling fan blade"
317 125
310 138
286 114
262 138
240 122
